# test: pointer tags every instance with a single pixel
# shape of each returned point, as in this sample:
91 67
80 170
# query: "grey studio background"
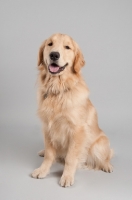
103 29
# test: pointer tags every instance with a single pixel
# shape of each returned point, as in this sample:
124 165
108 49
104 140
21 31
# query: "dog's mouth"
55 69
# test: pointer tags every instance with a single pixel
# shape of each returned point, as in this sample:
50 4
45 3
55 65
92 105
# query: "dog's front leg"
49 158
75 148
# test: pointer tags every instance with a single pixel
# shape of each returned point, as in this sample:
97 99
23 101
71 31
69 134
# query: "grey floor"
19 145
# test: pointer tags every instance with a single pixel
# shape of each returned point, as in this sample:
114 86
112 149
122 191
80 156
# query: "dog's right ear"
40 54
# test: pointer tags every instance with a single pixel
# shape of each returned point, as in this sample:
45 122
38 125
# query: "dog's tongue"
53 68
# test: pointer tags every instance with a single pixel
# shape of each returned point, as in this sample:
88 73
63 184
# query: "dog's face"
60 54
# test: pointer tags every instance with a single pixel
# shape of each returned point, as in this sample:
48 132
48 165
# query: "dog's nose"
54 56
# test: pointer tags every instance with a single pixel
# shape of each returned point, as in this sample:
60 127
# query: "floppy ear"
79 60
40 54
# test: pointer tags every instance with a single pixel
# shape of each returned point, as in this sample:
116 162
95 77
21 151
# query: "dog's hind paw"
41 153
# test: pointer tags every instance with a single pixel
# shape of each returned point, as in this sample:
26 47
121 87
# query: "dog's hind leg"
101 154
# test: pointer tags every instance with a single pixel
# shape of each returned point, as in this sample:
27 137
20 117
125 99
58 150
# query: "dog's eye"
67 47
50 44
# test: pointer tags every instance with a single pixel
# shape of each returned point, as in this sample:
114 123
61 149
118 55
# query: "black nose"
54 56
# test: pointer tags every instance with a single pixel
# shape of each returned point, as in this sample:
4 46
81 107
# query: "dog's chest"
60 131
57 115
53 106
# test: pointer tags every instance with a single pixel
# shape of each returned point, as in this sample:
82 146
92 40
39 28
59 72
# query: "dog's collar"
45 95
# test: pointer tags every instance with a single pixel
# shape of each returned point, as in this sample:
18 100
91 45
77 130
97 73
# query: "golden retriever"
69 119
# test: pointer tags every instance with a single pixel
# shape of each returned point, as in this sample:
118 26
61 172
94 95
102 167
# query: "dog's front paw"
66 180
39 173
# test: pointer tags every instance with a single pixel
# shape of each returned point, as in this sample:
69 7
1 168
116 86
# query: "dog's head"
60 54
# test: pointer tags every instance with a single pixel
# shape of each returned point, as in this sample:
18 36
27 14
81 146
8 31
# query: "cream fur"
69 119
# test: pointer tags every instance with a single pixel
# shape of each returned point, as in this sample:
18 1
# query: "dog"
70 124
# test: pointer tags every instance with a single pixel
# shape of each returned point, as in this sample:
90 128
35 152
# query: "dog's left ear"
79 61
40 53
